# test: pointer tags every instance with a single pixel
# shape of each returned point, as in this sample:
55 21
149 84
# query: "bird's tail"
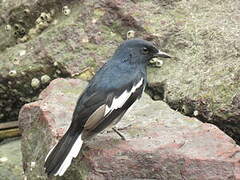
60 156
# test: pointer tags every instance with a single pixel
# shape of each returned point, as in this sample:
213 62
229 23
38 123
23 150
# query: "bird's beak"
162 54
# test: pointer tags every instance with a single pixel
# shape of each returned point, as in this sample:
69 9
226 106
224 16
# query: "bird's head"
138 50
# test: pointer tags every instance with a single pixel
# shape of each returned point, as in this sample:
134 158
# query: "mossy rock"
65 48
202 79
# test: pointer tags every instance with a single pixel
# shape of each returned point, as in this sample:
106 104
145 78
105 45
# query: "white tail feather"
72 154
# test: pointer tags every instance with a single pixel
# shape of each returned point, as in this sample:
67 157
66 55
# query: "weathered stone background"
202 80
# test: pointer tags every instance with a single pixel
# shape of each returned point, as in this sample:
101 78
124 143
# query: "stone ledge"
161 143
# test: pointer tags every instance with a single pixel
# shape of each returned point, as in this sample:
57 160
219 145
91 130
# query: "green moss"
98 13
84 171
91 46
90 62
134 132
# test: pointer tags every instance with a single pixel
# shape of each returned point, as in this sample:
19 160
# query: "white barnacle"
8 27
33 164
156 62
65 7
35 83
48 17
42 25
130 34
25 38
12 73
66 11
43 16
58 71
85 39
17 26
159 63
45 79
55 63
26 11
195 113
38 20
22 52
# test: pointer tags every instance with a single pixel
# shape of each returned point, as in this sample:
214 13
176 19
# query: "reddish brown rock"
161 143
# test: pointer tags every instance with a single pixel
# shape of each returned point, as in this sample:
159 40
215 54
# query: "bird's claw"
120 134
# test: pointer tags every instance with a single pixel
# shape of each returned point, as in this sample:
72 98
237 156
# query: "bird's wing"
99 110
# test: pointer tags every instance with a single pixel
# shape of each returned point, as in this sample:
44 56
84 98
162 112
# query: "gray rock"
11 160
204 74
161 143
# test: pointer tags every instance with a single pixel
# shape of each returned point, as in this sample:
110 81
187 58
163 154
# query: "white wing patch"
119 101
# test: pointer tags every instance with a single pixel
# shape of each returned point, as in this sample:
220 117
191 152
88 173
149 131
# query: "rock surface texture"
204 79
161 143
11 160
41 38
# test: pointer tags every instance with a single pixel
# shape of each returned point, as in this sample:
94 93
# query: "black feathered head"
138 51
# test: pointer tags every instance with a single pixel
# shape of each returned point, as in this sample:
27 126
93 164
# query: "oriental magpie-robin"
114 88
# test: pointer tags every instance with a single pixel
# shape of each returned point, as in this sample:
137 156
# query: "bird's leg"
116 131
123 127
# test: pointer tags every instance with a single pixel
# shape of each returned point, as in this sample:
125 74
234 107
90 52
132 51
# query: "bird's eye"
145 50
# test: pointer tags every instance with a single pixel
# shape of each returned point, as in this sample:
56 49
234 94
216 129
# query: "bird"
109 94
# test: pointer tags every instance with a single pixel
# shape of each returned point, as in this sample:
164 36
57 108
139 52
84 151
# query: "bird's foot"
120 134
123 127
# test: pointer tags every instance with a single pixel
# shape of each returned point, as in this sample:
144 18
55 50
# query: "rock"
57 45
54 49
161 143
204 76
10 160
